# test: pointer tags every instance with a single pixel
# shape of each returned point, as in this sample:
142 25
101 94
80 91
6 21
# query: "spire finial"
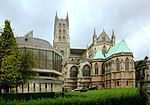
94 32
113 33
56 15
67 19
67 16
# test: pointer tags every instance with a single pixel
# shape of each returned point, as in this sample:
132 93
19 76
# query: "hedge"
94 97
27 96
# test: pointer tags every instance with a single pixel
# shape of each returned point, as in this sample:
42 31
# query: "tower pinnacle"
113 38
56 16
94 37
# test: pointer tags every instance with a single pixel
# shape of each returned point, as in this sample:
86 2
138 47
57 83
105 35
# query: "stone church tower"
61 36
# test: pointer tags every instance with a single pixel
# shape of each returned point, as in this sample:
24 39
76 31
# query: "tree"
9 59
27 63
15 65
146 58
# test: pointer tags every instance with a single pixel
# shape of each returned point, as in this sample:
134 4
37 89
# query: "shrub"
27 96
94 97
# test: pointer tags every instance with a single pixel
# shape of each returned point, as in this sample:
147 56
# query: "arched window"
73 72
110 66
117 83
59 25
60 32
86 71
64 26
127 83
59 38
103 85
96 68
64 38
132 64
62 52
106 67
103 68
64 32
117 64
127 64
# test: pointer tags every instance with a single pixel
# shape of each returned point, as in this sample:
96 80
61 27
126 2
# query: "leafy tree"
9 59
15 65
146 58
27 63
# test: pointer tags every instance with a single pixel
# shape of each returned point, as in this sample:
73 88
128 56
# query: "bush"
94 97
26 96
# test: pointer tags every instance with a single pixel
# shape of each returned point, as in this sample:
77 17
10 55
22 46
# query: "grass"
130 96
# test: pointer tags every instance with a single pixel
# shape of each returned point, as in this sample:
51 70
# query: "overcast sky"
129 18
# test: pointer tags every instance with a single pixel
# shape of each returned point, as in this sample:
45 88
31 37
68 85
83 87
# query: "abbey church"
104 63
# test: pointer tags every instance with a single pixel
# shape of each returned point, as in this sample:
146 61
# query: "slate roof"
118 48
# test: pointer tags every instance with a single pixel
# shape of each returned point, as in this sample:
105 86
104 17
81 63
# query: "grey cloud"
125 16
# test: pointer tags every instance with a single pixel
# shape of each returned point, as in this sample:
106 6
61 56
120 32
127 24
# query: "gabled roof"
103 34
77 51
98 55
118 48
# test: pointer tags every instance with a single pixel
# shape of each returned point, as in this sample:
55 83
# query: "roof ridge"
119 45
103 33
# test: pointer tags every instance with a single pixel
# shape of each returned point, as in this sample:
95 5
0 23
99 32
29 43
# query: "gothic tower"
61 36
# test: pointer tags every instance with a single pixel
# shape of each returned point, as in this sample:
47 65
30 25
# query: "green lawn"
129 96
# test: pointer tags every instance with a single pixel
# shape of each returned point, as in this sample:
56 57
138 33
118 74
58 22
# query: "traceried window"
127 64
132 64
106 67
110 66
86 71
103 68
117 64
74 72
64 32
96 68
